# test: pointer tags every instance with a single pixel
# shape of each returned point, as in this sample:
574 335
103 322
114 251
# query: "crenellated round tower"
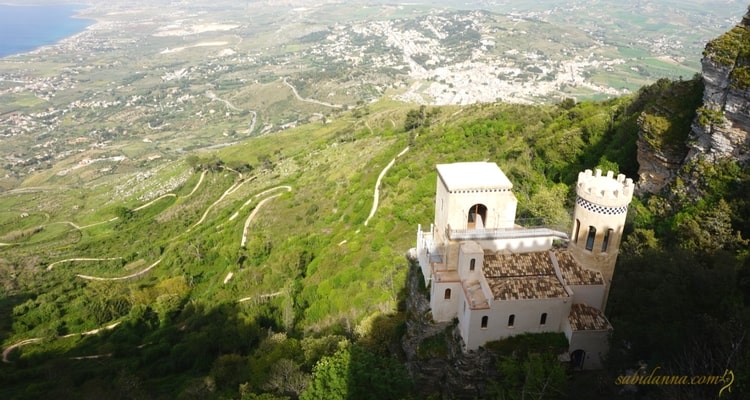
598 220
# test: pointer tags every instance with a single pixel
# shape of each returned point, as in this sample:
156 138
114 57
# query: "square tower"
472 196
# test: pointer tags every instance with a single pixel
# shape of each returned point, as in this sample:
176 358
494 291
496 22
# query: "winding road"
49 267
376 195
10 348
231 106
96 278
231 189
226 193
154 201
300 98
262 296
255 211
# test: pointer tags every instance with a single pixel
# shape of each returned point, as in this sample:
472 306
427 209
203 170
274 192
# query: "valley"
153 82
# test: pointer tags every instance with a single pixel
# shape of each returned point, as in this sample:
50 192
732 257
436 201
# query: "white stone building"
500 279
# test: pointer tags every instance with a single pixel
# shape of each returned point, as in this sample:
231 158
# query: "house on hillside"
500 279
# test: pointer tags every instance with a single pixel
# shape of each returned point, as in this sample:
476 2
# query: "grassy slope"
310 265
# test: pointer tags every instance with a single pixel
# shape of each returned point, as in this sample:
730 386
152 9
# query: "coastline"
84 23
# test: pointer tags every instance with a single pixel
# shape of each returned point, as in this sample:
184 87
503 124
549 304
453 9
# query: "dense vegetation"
322 293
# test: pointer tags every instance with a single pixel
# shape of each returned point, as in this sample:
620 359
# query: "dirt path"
197 185
10 348
255 211
96 278
263 296
49 267
252 123
226 193
95 224
376 195
73 224
300 98
214 97
154 201
237 213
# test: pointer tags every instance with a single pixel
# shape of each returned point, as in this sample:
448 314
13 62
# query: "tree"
355 373
567 103
415 119
193 161
709 230
229 370
535 377
286 377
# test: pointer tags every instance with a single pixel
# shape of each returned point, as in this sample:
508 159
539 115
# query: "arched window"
477 217
472 264
447 294
590 238
605 243
485 320
543 319
511 320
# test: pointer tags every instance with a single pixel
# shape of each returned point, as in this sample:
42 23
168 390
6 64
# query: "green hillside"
256 271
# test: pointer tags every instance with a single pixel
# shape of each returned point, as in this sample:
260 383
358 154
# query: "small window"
590 238
575 234
485 319
543 319
472 264
447 294
605 243
511 320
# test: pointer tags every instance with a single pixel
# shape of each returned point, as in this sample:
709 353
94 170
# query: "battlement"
606 190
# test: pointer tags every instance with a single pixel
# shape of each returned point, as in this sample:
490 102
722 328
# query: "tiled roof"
516 265
528 287
522 276
585 318
573 273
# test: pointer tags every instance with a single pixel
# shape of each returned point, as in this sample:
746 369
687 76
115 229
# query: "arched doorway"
577 358
477 216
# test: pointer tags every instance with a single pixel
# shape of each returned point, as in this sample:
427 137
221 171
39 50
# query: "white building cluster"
500 279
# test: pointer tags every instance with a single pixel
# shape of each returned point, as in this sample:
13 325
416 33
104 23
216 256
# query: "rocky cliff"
707 118
722 126
664 124
435 360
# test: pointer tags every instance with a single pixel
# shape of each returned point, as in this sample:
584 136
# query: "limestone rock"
722 127
656 169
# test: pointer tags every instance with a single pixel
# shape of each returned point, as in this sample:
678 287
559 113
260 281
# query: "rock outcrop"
663 129
434 355
705 119
722 126
656 166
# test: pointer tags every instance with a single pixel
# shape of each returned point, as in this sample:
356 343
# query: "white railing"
504 233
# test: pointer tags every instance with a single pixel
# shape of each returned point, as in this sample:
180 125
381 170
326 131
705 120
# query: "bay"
25 28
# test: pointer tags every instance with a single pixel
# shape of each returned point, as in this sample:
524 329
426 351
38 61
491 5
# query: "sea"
25 28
